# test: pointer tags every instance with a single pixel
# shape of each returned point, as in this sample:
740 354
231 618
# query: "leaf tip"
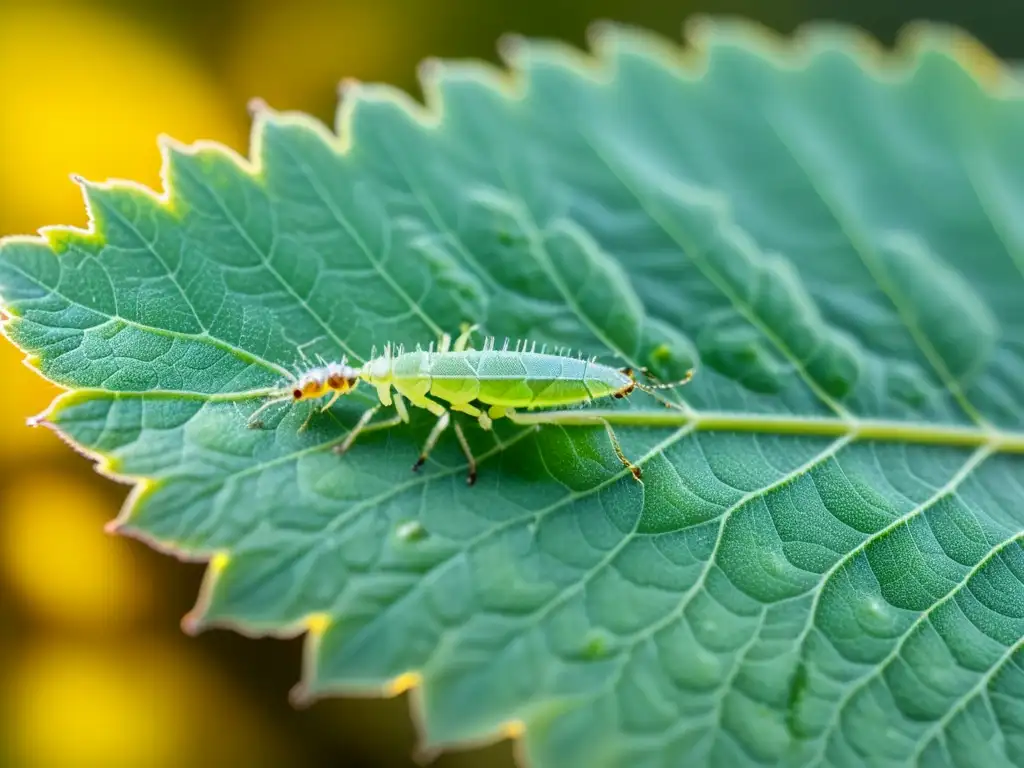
429 69
39 420
257 106
194 622
512 729
43 418
301 696
404 682
169 144
973 56
600 28
511 45
219 562
317 624
348 86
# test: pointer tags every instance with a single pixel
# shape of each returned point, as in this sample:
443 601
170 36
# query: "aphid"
465 379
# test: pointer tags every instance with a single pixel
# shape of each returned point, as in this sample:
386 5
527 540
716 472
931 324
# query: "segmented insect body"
502 380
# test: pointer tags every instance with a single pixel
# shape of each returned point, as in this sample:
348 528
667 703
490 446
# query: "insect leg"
309 417
435 433
472 410
443 419
302 350
333 399
633 468
361 424
462 343
403 412
253 422
470 459
445 344
637 472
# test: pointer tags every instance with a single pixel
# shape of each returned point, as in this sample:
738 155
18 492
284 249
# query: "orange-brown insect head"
333 377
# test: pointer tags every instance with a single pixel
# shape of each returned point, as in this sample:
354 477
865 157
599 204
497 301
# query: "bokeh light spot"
56 557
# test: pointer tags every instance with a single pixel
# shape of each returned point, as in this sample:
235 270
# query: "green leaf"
823 564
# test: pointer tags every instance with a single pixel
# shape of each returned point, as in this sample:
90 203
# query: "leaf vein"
869 258
339 217
241 354
743 308
972 462
266 262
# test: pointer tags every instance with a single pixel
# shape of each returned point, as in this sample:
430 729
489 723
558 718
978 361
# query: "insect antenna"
302 349
659 397
662 385
654 389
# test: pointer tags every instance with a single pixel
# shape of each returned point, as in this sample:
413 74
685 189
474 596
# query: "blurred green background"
94 667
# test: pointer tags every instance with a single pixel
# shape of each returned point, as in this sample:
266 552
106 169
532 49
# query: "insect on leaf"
823 563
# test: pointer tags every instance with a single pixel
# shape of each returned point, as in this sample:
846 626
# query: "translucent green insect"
459 378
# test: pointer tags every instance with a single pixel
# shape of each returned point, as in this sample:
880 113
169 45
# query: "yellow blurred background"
95 669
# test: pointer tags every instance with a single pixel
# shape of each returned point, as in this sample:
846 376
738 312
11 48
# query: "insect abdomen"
519 379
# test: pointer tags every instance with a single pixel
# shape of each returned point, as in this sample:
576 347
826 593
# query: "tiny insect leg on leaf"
443 420
538 418
402 416
368 414
254 422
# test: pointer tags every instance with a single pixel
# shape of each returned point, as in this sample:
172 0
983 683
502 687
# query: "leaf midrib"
885 430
